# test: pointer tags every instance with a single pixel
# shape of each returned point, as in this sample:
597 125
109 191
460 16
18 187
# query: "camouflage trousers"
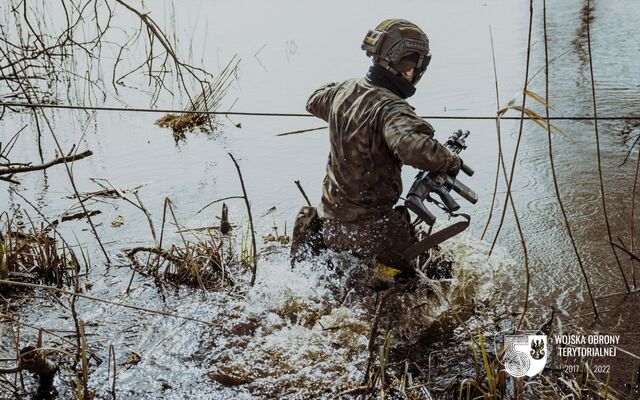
382 237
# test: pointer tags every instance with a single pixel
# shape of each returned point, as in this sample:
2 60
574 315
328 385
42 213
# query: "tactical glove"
453 172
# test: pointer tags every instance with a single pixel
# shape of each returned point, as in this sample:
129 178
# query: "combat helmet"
398 45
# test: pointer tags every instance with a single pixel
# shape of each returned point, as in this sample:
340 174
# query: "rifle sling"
435 239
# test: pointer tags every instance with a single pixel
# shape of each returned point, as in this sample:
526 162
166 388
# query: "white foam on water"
306 342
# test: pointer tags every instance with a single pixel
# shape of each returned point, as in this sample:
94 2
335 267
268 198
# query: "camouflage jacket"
373 133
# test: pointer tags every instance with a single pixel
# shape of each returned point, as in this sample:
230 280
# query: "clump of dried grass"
180 124
200 263
198 114
33 253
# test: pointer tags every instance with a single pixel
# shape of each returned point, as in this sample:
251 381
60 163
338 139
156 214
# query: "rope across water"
273 114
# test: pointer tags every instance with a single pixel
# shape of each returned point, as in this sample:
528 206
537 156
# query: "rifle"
440 183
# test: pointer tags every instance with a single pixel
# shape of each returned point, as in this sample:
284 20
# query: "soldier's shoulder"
351 83
398 105
398 109
384 95
345 85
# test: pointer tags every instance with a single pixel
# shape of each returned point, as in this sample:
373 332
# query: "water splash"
304 332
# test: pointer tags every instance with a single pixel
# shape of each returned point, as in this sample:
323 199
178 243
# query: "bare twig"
3 178
16 169
146 213
553 169
633 216
500 152
75 189
154 33
595 116
301 131
40 330
372 337
512 174
154 250
105 301
303 192
254 258
497 178
219 200
630 254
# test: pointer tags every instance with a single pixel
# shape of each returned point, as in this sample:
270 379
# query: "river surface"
289 48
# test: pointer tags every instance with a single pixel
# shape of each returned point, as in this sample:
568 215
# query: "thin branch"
75 188
105 301
553 169
509 197
10 170
2 178
497 178
633 215
301 131
254 259
630 254
303 192
595 116
219 200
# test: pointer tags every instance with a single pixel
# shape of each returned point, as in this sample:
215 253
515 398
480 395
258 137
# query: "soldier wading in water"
374 132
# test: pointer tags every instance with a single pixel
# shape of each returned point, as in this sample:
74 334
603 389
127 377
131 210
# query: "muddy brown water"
288 50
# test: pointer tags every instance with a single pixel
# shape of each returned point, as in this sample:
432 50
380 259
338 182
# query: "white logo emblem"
525 354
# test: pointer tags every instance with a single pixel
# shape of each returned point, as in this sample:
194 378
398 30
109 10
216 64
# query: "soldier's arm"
319 103
411 140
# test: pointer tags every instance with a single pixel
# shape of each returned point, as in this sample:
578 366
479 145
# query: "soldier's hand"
453 172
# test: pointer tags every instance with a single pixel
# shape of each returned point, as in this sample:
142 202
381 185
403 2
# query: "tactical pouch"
307 235
372 43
